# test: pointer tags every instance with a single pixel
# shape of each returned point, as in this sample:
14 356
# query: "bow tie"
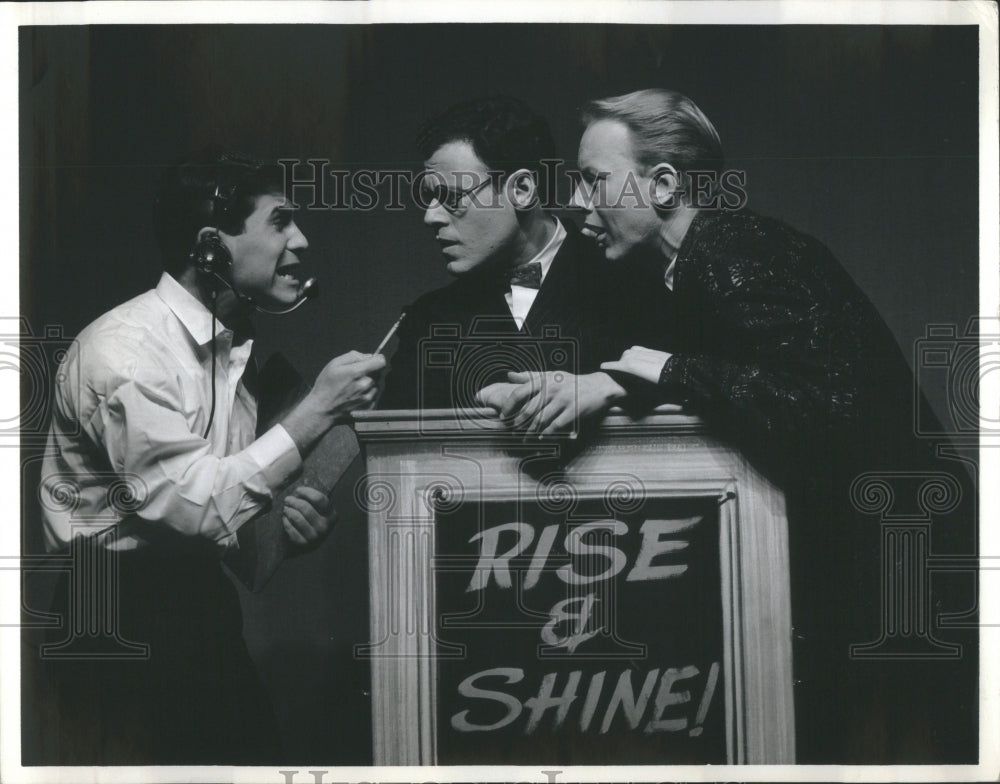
528 275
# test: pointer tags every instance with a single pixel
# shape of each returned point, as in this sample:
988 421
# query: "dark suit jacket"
459 338
778 350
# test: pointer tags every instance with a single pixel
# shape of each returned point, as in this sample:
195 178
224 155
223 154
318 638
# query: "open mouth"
598 235
289 272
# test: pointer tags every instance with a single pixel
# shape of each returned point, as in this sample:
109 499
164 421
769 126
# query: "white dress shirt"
521 298
130 410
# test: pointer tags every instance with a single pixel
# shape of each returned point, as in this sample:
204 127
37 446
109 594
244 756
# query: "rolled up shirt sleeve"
181 483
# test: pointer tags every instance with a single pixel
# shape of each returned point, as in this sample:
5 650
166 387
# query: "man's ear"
217 234
522 189
666 187
207 231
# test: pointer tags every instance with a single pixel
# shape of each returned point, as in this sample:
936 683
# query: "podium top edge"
484 422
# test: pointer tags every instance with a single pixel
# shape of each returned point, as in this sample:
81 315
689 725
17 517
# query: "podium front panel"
586 628
626 603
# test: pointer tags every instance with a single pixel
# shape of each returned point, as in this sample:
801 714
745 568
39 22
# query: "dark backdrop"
865 137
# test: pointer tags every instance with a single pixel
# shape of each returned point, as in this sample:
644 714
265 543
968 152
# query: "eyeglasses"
452 199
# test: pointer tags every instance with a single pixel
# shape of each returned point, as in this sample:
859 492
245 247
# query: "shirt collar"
668 275
673 238
548 253
193 315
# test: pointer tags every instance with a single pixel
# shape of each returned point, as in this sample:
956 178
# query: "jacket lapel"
557 299
486 308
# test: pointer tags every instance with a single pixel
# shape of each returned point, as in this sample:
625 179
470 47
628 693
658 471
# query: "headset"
212 258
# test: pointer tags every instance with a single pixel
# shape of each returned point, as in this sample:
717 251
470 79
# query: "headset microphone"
309 290
212 257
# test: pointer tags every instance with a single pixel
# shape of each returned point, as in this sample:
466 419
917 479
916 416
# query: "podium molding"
416 460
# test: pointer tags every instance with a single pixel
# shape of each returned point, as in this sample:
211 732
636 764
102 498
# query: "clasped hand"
552 402
547 403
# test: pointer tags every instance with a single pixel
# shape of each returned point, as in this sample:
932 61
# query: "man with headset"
158 396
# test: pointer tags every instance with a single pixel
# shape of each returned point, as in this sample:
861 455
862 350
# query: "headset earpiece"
211 256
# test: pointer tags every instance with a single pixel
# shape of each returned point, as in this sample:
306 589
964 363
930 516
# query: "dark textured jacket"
774 344
781 353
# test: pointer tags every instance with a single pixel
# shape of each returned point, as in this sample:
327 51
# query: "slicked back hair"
666 127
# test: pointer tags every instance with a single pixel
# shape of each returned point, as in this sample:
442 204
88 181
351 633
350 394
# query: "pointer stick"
391 332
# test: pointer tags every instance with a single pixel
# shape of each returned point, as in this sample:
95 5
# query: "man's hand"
495 395
307 516
644 363
347 383
344 385
544 404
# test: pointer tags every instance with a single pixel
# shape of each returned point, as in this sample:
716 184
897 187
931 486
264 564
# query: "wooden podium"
626 602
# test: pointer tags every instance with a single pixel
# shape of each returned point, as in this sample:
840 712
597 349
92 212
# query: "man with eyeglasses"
531 293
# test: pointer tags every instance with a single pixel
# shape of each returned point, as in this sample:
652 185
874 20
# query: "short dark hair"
209 188
504 132
666 127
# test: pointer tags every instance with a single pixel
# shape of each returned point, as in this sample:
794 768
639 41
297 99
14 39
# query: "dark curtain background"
865 137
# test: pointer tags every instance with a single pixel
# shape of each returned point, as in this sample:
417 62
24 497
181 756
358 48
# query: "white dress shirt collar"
671 239
668 275
548 253
520 298
193 315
